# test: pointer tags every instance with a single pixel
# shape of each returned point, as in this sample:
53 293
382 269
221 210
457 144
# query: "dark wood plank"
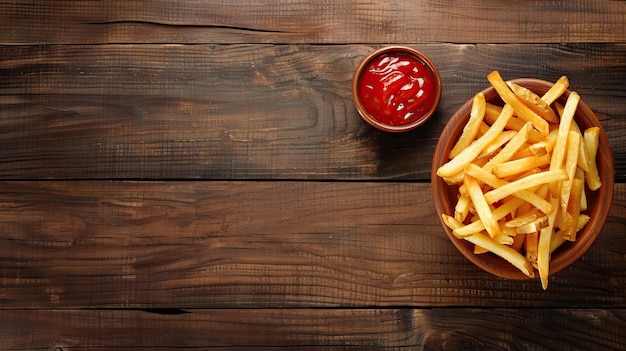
251 111
88 244
198 21
315 329
245 263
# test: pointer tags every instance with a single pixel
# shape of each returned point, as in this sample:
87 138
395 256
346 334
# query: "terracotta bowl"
371 119
599 201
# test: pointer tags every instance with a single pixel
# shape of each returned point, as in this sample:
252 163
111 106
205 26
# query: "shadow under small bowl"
599 201
375 120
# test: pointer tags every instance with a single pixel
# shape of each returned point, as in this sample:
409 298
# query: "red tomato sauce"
397 89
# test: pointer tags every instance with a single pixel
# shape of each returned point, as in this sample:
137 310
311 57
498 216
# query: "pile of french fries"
522 170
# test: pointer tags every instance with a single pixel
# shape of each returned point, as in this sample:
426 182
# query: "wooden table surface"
194 174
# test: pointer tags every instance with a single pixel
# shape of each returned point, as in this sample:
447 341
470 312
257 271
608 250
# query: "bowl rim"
403 50
564 256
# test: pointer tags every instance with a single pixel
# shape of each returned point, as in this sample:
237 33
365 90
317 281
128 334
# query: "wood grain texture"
88 244
323 22
252 111
315 329
193 175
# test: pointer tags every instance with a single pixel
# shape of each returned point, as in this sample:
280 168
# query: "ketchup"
397 89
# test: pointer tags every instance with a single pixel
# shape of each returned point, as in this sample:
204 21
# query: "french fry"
545 145
455 178
583 219
534 226
564 220
574 210
559 151
526 218
538 149
556 241
482 207
503 238
571 164
582 154
523 112
468 154
507 169
556 90
558 154
482 129
495 145
451 222
550 140
506 235
523 152
530 245
580 174
470 130
591 138
480 250
511 232
462 208
493 111
540 221
504 251
500 193
534 102
544 246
